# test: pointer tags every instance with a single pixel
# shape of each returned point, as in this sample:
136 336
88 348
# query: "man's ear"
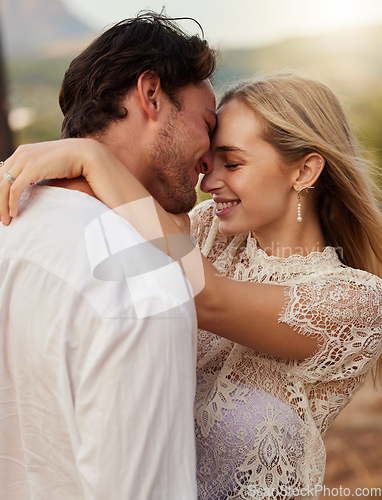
309 171
150 93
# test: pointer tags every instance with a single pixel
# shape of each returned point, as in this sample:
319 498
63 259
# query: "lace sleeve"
346 315
201 220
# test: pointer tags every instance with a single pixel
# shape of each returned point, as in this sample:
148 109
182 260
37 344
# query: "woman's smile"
224 206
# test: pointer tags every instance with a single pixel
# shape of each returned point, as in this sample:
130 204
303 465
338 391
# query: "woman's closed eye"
231 165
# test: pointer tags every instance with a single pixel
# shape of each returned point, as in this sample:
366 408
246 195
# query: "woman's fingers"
5 186
15 193
16 174
32 163
12 184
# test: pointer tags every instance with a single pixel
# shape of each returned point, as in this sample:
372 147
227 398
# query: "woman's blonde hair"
302 115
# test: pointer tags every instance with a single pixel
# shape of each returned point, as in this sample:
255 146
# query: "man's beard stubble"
173 185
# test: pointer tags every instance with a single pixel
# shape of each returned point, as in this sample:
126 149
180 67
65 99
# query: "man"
97 382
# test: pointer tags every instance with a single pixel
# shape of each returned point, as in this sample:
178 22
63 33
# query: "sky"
241 23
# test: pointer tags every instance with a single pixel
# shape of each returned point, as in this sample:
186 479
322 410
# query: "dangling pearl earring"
299 216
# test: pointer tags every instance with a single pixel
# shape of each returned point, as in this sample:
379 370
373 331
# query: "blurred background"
337 41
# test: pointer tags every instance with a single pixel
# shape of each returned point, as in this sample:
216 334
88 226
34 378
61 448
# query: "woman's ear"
309 171
150 93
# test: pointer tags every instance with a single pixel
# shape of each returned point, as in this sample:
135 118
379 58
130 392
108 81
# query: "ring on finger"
8 177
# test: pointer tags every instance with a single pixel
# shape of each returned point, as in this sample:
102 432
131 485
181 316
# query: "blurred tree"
6 143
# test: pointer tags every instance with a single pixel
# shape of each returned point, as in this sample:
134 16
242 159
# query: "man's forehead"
202 91
211 93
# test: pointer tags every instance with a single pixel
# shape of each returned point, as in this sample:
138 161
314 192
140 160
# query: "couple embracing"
281 278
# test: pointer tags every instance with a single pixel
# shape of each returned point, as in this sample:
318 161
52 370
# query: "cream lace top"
260 420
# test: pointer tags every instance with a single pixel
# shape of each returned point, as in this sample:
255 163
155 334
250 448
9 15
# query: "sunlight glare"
336 14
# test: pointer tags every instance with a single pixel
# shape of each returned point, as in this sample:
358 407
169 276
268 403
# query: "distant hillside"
350 59
40 27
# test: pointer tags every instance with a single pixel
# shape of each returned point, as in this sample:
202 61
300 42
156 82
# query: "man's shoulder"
50 227
61 203
82 246
50 240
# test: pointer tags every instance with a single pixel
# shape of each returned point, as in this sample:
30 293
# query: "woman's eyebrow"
233 149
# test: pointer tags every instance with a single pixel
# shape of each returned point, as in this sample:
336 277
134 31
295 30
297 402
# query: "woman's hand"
33 163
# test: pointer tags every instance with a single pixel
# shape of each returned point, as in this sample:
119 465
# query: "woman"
292 208
278 138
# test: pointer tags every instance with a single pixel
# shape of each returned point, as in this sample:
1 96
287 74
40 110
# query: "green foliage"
35 84
202 196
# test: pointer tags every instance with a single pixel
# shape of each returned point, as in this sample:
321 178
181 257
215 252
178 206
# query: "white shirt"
96 394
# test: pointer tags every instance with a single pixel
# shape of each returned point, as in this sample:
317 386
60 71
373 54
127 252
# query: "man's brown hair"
100 77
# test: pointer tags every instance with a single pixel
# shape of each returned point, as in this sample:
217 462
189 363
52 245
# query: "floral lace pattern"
260 420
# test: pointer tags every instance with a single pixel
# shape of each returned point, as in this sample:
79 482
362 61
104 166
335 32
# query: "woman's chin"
228 230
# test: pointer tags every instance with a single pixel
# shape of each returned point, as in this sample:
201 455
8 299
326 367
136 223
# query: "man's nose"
206 163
